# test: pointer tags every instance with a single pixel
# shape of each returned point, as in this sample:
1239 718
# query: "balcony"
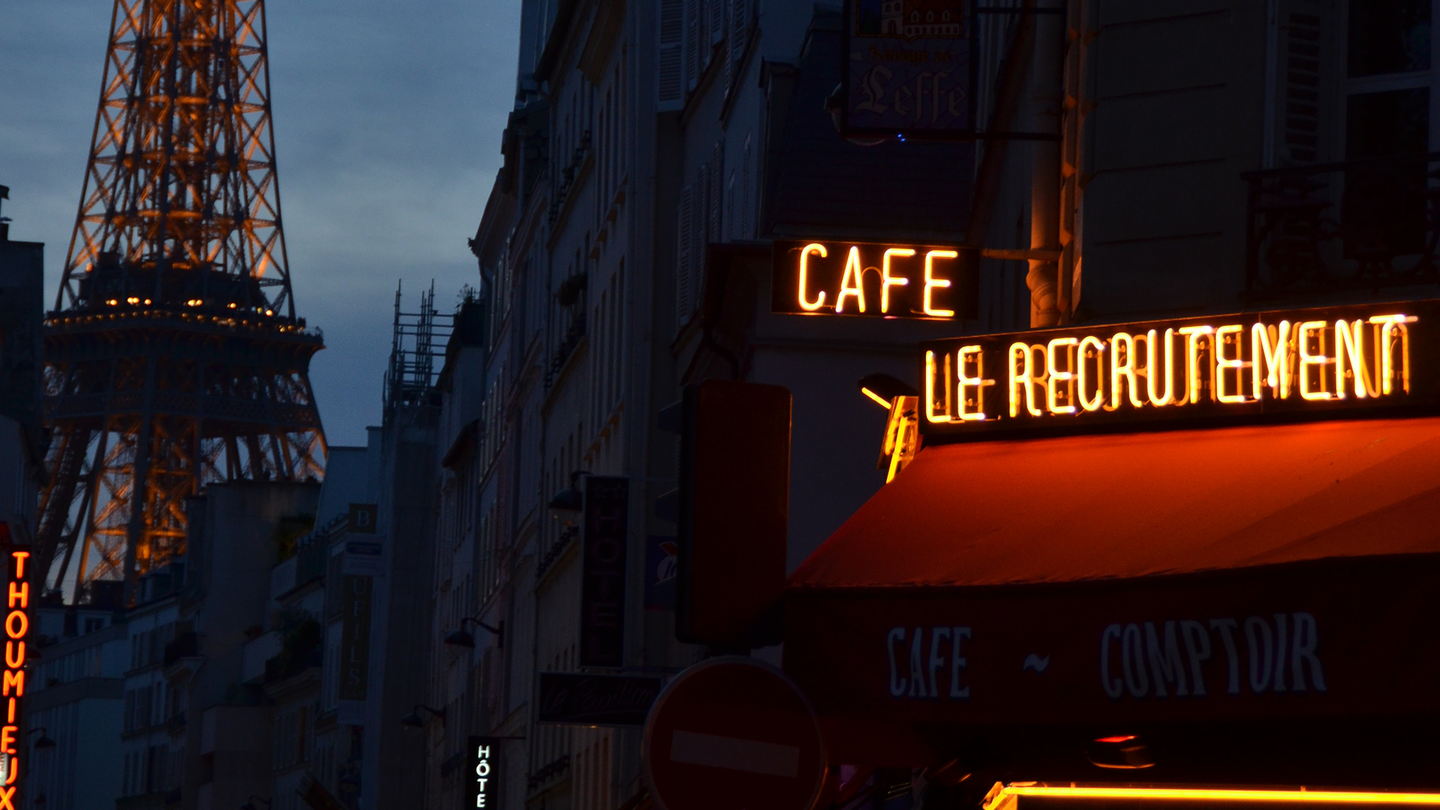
186 645
1331 228
568 343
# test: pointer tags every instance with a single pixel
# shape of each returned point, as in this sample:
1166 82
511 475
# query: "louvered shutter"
683 239
669 86
1309 79
739 27
717 9
692 43
745 229
717 191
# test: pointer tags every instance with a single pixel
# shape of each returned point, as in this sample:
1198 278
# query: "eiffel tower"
174 358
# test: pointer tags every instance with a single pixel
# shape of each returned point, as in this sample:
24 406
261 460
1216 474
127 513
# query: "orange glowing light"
931 282
930 415
883 402
1214 795
886 280
805 303
852 283
975 382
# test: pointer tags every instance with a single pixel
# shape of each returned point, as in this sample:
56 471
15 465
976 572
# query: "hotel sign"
481 776
866 279
1296 364
602 571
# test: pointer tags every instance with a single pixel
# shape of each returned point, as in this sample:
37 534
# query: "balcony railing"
1357 225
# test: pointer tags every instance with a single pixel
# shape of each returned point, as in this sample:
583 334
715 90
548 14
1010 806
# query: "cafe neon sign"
820 277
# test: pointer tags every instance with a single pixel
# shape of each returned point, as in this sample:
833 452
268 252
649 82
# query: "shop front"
1156 563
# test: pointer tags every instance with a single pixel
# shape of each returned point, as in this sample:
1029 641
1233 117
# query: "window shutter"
684 235
730 206
717 26
1309 81
717 191
1300 78
746 232
739 27
692 43
669 93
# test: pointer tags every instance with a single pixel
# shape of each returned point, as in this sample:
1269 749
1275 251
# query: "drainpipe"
1045 99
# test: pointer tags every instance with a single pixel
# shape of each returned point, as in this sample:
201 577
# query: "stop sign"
732 733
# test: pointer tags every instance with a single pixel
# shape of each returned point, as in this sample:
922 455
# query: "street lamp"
464 638
414 720
44 743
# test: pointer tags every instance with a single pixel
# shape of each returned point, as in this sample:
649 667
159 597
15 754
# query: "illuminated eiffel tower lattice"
174 358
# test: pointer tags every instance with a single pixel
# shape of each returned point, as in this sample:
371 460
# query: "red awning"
1093 507
1257 575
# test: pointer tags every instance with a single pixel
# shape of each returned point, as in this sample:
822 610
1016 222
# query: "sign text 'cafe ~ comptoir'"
1178 561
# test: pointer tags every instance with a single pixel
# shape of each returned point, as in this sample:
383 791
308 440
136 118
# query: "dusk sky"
388 115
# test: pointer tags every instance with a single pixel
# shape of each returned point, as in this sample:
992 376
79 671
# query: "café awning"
1254 576
1133 505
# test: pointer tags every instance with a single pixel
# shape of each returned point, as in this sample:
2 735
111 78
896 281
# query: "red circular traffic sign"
733 733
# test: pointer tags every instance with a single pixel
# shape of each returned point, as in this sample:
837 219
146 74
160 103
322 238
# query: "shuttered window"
669 87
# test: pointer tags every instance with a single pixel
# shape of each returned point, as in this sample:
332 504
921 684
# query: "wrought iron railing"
1356 225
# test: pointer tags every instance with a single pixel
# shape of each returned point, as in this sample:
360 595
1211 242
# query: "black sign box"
570 698
868 279
1379 359
602 591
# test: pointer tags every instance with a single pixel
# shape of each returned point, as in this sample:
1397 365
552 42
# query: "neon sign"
12 678
482 786
1305 362
876 280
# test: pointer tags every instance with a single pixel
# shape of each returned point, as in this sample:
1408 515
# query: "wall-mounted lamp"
414 720
569 499
464 638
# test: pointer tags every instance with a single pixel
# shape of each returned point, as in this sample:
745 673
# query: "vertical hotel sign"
357 590
12 681
602 591
482 780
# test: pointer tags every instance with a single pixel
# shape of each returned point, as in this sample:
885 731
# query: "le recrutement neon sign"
1242 365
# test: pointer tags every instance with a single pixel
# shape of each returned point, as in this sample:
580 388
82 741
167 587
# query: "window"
1388 77
1388 98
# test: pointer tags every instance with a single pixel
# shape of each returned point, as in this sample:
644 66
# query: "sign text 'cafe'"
1342 358
937 282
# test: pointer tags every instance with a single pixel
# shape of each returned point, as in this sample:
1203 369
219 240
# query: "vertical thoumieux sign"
602 591
12 682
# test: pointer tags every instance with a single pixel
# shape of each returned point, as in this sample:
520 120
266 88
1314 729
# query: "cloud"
387 124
